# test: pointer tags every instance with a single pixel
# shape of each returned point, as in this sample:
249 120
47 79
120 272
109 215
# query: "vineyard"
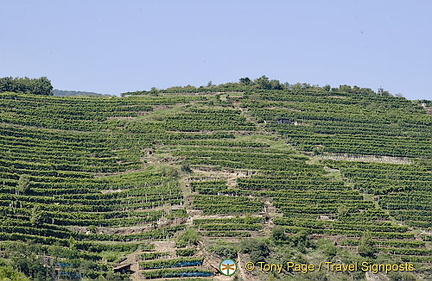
165 185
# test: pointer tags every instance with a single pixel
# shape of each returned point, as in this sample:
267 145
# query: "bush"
278 234
8 273
188 238
224 249
301 241
330 251
401 276
366 246
256 248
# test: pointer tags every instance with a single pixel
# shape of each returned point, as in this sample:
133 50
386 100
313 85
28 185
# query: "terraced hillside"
169 183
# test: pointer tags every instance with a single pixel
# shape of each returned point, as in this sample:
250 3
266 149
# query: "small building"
123 269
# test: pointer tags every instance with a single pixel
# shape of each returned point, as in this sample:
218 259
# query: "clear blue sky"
118 46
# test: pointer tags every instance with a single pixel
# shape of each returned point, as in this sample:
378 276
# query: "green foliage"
160 273
72 243
170 263
9 274
278 234
366 246
330 251
188 238
167 171
301 241
265 83
401 276
257 249
111 276
186 252
342 212
40 86
92 228
31 265
23 186
37 216
224 249
245 81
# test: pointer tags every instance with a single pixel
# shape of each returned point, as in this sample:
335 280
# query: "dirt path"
270 212
133 259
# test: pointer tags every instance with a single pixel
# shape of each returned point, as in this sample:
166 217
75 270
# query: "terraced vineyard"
168 184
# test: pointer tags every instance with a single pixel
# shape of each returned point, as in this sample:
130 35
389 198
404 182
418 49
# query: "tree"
366 246
42 86
278 234
6 84
275 85
300 87
39 86
256 248
72 243
327 88
263 82
189 237
301 241
345 88
10 274
23 185
37 216
32 265
245 81
330 250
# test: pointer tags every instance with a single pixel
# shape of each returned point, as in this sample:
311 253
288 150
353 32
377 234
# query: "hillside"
171 182
65 93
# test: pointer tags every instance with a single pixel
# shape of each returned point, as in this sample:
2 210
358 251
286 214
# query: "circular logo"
227 267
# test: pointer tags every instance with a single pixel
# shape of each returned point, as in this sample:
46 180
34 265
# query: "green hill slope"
65 93
172 182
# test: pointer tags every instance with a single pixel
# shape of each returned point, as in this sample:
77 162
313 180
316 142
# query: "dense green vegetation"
183 177
40 86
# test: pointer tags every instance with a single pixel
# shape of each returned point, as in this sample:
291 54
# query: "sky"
119 46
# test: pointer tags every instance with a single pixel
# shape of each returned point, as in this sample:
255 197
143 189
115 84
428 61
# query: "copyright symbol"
249 266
